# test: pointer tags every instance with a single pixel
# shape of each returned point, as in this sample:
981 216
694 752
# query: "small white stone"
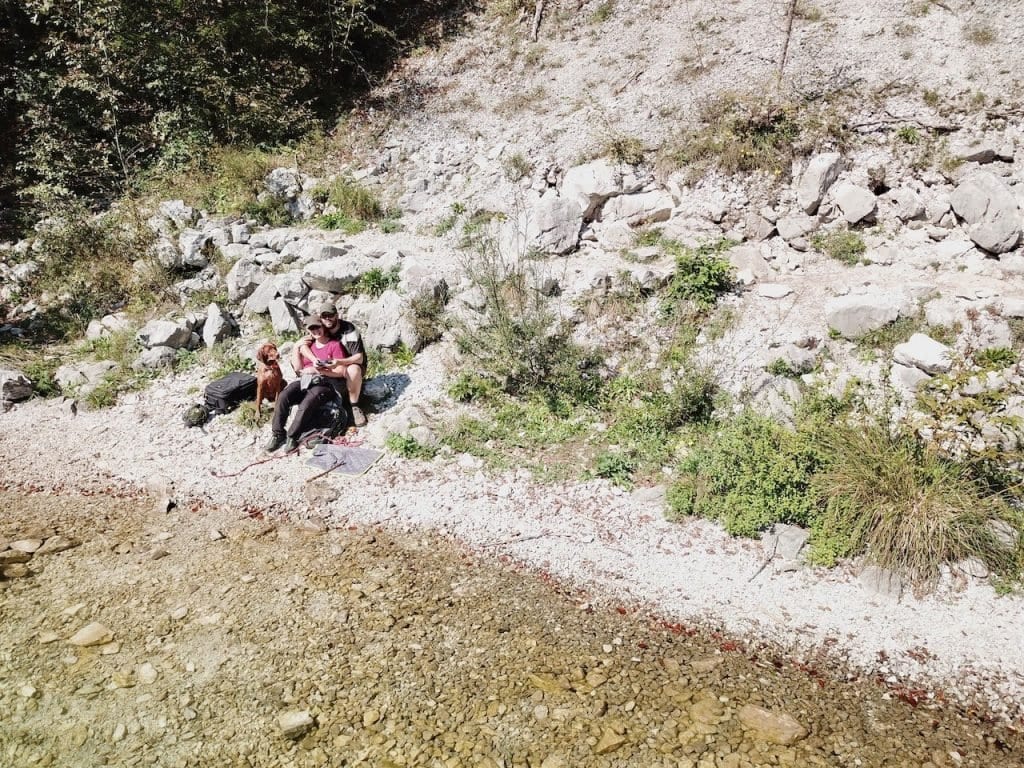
147 673
27 692
179 613
92 634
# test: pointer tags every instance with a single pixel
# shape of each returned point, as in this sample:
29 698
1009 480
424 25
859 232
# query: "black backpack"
228 392
329 421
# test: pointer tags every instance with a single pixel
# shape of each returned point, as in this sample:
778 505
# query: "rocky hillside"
686 213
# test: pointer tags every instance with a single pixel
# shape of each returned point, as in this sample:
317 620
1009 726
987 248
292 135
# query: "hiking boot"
358 417
290 445
276 441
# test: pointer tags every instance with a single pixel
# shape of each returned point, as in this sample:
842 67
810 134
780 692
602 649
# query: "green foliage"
428 315
339 221
99 91
845 246
468 387
352 200
700 276
747 474
625 149
409 447
376 281
906 507
87 264
247 417
387 361
603 12
521 345
891 334
741 134
995 358
615 467
908 134
268 210
782 367
229 360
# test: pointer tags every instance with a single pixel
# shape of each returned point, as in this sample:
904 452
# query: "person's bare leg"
354 383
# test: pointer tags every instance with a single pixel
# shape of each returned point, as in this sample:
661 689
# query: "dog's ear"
261 354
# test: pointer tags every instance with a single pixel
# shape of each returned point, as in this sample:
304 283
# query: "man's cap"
327 308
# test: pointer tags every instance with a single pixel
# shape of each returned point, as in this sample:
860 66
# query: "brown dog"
269 381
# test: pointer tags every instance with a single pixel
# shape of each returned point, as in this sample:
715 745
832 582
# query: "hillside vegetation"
95 94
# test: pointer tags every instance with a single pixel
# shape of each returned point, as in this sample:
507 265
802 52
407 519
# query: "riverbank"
608 545
239 641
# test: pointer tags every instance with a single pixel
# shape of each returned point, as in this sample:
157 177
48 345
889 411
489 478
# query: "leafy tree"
93 92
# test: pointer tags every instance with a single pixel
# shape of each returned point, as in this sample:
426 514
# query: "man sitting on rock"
352 365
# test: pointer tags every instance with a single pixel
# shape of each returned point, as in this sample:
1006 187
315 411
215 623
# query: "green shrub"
615 467
469 387
995 358
782 367
342 222
351 199
700 276
846 246
376 281
87 262
908 134
428 315
625 149
747 474
741 134
906 507
269 210
40 371
516 167
409 447
521 345
603 12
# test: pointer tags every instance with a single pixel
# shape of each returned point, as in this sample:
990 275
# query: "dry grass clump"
741 134
907 508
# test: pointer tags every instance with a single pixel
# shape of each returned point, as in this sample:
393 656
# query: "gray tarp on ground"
341 458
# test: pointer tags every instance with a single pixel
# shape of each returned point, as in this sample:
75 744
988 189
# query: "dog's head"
268 354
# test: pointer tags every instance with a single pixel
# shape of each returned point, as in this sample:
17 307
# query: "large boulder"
554 225
644 208
164 333
196 247
14 387
306 251
991 211
906 204
181 215
821 173
774 727
283 318
856 314
385 322
259 300
218 326
244 277
591 184
335 275
856 203
924 353
83 377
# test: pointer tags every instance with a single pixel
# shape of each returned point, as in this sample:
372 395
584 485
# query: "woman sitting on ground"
354 361
321 361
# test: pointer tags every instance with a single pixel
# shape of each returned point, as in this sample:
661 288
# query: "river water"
402 651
